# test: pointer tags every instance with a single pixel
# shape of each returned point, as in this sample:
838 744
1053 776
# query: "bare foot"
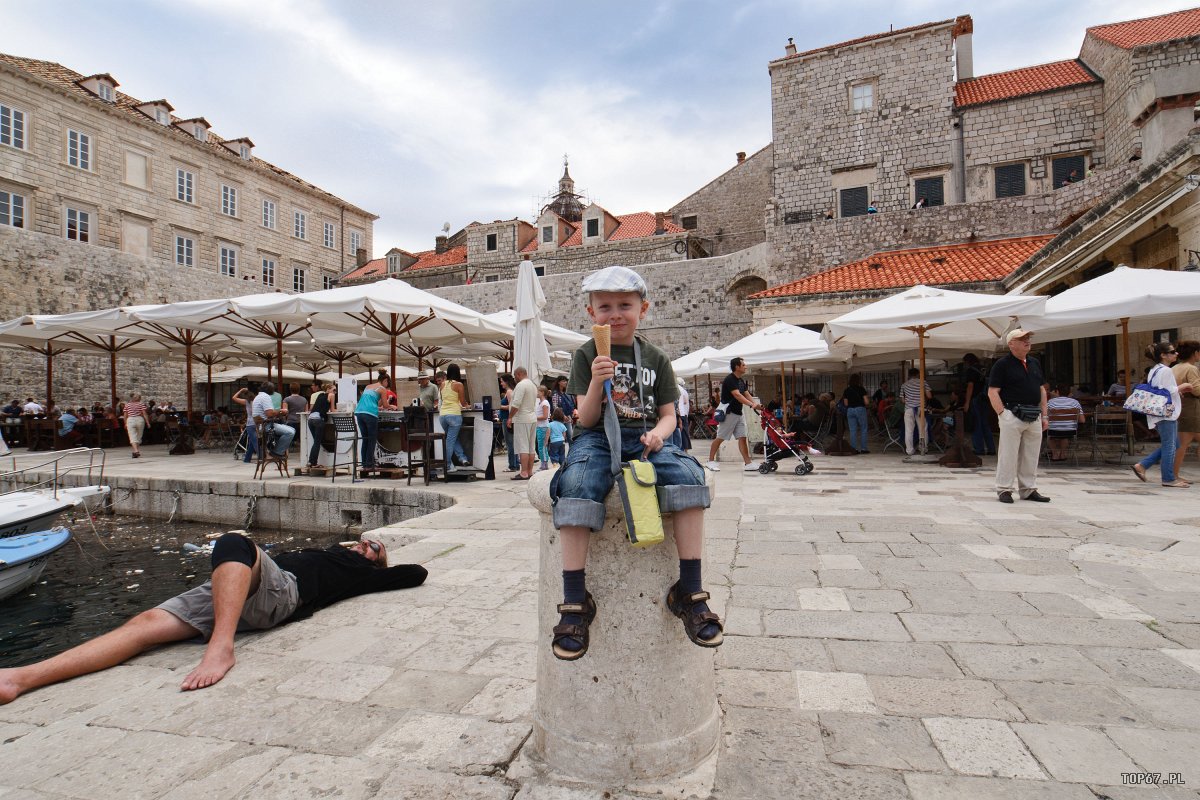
9 690
211 669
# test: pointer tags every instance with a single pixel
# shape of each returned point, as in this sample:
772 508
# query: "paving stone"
743 621
927 697
763 576
942 787
982 747
1033 565
765 597
834 691
1111 607
1160 751
823 599
993 551
893 658
416 784
949 601
392 649
1147 792
770 779
1189 658
516 659
1074 754
345 683
308 775
848 578
343 730
1028 663
878 741
428 690
449 742
949 628
1134 667
885 600
448 652
23 760
835 625
787 654
1011 582
1058 605
752 734
231 777
1097 633
1166 606
1073 704
894 577
1180 633
288 713
503 700
1169 708
764 689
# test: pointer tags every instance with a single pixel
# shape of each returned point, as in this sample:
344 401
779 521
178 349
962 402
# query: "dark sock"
574 591
689 583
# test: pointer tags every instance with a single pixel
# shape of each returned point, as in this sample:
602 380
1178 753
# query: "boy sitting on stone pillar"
642 399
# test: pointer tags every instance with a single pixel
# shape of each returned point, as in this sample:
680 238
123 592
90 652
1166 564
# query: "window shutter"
1062 170
1010 180
932 189
854 201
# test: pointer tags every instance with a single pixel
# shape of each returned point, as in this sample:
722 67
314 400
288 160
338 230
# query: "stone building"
106 199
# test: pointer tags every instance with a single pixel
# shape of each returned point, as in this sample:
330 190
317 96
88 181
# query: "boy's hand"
603 369
652 441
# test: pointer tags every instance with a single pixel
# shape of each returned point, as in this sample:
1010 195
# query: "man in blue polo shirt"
1017 392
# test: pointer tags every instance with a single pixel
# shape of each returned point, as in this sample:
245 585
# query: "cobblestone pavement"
892 632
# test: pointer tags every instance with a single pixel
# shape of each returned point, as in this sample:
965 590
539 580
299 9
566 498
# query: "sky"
428 112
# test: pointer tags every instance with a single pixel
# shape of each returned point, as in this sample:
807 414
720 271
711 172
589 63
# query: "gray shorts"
275 601
734 427
524 437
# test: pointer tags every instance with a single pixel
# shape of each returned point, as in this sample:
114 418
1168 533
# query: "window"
593 227
301 220
355 242
689 223
184 183
932 189
393 263
185 249
200 133
330 241
163 116
12 127
1068 170
548 233
269 214
245 151
862 97
539 271
491 278
228 201
12 209
79 149
1010 180
326 281
105 91
298 279
228 261
491 241
853 201
268 272
79 225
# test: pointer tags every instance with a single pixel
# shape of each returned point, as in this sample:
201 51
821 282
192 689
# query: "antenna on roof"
445 227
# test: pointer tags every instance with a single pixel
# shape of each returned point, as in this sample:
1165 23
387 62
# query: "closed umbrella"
529 345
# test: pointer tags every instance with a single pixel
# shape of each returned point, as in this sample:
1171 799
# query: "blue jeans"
543 438
452 425
579 488
283 434
316 429
510 448
558 452
982 440
1164 456
856 418
369 425
251 443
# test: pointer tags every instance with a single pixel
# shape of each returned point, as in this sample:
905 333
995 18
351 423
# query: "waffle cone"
603 336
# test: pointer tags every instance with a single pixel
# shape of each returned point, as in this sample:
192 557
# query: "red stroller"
778 445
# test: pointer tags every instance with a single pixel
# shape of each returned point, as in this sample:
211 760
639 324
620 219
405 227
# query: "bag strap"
612 427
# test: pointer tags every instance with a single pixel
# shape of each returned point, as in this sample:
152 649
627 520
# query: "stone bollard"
642 704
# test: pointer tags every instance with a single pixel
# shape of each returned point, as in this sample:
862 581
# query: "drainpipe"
960 159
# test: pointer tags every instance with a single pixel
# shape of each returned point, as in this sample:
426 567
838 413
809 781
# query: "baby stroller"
778 445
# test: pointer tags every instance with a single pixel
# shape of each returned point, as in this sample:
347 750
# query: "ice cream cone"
603 336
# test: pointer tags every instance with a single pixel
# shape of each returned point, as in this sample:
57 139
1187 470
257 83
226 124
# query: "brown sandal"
579 633
681 606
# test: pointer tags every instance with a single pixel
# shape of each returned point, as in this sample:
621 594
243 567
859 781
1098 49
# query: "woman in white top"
1163 355
543 428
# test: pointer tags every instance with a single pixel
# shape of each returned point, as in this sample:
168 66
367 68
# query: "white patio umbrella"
1124 300
529 345
943 318
693 363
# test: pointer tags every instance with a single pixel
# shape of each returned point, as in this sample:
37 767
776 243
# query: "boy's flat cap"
615 279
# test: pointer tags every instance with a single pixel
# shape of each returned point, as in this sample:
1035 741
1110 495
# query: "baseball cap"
1017 333
615 279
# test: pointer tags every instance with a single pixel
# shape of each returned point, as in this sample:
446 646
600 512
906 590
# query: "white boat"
22 558
38 496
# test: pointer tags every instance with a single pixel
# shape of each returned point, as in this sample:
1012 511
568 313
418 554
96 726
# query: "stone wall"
43 274
130 190
730 209
690 304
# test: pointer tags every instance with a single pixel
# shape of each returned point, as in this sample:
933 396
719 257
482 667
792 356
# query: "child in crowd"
543 428
558 437
640 412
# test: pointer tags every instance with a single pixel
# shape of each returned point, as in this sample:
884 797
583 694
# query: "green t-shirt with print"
636 397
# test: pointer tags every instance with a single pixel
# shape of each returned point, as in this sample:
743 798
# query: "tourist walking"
454 397
855 398
136 420
560 398
683 412
543 429
734 396
1164 354
1187 374
1017 392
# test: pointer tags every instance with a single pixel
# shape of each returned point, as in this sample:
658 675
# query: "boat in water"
37 494
22 558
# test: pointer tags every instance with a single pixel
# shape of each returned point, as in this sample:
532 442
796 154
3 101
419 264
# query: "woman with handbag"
1161 378
1187 374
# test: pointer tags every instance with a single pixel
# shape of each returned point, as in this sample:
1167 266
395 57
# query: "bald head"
520 373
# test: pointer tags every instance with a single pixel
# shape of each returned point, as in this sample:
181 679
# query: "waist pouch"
1025 413
643 520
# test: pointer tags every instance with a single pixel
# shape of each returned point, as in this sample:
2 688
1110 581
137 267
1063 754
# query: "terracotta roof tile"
638 225
374 268
1021 82
428 259
67 79
941 265
1151 30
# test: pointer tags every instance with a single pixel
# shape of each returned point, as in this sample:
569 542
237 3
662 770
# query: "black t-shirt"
973 377
855 397
1018 383
728 386
323 577
321 406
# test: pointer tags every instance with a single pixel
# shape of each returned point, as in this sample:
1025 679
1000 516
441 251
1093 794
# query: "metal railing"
91 463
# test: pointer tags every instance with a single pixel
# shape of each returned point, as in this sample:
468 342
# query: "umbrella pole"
922 430
393 353
49 373
112 375
1128 384
279 362
341 363
783 393
187 354
209 394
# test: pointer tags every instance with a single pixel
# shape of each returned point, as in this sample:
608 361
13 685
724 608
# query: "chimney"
741 157
360 257
440 244
790 50
964 64
660 223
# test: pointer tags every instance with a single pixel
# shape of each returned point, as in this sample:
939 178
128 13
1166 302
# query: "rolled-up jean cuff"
681 498
577 511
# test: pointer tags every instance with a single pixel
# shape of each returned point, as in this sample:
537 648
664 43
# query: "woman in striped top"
135 422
